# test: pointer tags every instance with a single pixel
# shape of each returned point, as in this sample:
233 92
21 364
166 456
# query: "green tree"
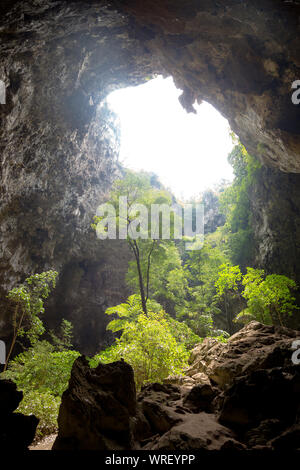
227 285
147 342
269 298
128 312
28 300
42 374
202 269
235 203
42 368
136 216
167 279
64 338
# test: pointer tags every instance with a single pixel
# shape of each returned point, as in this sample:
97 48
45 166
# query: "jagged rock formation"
17 431
248 399
96 409
58 143
249 349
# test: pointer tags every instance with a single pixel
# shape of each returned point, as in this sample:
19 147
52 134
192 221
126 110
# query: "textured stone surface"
256 346
242 57
257 407
59 143
275 202
197 431
97 409
59 151
200 398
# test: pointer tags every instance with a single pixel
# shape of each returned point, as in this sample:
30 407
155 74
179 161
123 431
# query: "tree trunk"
141 282
228 316
16 331
148 269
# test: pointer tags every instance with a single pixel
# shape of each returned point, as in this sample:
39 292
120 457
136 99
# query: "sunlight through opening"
187 151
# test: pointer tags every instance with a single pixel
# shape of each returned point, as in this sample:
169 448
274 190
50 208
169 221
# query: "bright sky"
187 151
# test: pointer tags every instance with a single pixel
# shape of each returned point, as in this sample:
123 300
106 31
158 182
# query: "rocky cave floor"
240 395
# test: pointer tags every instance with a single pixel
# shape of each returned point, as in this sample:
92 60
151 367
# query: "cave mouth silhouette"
60 62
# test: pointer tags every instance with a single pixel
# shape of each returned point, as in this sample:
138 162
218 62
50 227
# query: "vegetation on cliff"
178 297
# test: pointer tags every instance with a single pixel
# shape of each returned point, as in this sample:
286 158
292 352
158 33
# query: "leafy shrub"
183 333
44 406
148 344
42 374
28 300
269 298
42 368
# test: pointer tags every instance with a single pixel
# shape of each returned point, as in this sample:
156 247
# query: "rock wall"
275 203
240 56
59 152
58 142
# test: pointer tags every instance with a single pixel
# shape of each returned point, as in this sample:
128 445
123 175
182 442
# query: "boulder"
159 405
263 395
196 431
98 407
288 440
17 431
256 346
200 398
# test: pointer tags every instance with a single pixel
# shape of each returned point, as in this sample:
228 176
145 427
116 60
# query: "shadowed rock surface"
250 401
17 431
97 408
256 346
59 142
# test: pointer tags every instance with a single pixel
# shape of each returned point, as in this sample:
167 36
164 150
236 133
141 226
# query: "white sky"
187 151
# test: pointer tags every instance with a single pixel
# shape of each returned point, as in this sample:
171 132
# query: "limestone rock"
288 440
264 394
200 398
254 347
97 408
197 431
59 142
256 407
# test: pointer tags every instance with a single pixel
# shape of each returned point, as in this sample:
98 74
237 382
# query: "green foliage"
45 407
235 204
42 373
149 346
269 298
154 344
28 299
227 286
42 368
182 333
167 279
138 190
139 196
127 312
202 268
63 339
228 279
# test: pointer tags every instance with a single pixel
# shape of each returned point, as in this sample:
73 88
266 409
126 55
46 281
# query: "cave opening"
59 156
187 151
